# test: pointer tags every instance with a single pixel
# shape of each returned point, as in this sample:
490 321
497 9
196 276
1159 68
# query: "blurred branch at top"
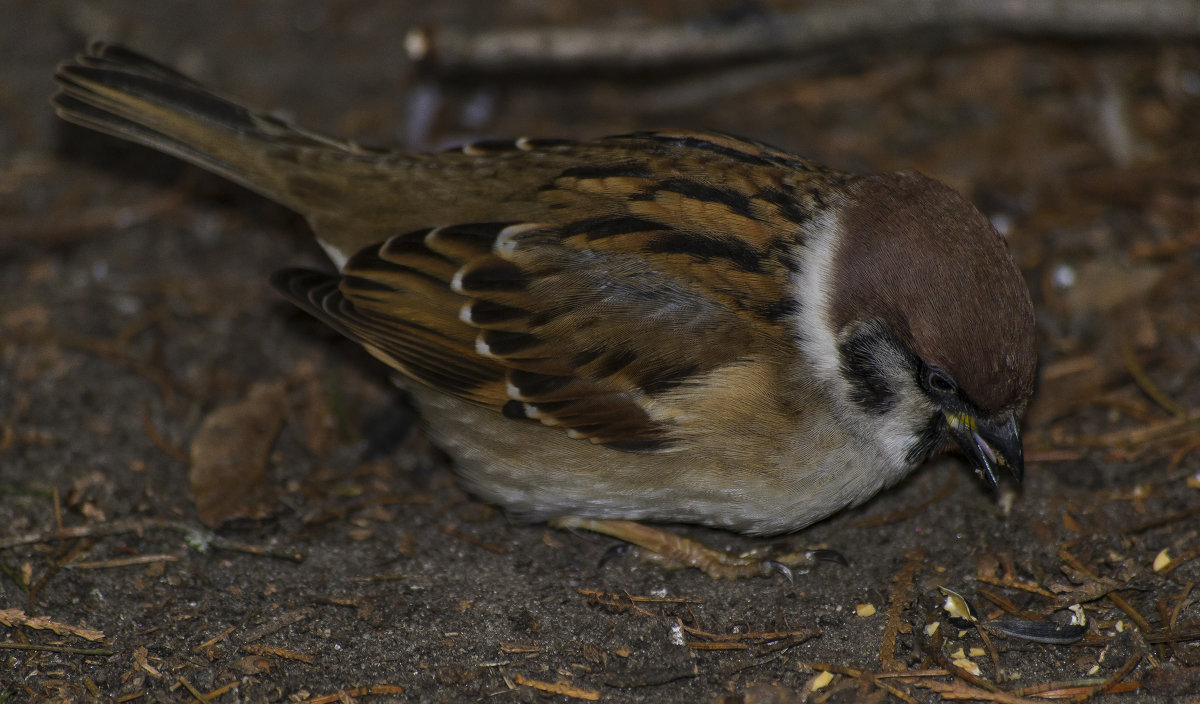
754 33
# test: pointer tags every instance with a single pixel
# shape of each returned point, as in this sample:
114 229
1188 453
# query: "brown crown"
916 254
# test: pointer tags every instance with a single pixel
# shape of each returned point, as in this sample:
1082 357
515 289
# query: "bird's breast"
731 475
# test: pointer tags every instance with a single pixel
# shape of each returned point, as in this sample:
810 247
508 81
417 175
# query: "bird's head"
932 322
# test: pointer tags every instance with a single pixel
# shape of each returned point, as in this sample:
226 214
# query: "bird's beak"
989 445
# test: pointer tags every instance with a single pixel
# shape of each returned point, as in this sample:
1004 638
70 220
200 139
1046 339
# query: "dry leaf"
229 456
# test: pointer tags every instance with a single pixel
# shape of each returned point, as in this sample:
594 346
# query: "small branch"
66 649
169 387
1147 385
59 228
349 694
899 600
198 538
820 26
563 688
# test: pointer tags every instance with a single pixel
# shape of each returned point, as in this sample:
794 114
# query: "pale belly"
537 473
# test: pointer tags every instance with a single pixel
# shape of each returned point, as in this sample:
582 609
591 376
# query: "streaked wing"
650 272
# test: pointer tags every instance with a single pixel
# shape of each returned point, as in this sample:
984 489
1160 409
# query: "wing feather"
587 319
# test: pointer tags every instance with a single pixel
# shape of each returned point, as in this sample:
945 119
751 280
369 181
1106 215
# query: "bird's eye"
940 382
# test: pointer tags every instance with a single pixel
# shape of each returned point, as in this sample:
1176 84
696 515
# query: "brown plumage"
666 325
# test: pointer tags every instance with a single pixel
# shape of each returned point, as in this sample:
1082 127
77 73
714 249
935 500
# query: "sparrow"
668 326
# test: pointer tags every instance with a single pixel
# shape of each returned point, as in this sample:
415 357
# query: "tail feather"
117 91
352 196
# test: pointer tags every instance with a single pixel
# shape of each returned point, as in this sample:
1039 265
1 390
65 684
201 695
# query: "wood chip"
564 689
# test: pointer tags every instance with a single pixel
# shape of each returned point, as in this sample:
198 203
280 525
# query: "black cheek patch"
869 387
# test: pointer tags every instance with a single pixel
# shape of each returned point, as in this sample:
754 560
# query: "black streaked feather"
697 143
533 384
736 201
495 275
736 251
484 312
626 169
502 343
786 204
610 226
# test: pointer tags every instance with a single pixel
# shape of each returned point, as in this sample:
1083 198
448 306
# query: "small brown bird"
669 326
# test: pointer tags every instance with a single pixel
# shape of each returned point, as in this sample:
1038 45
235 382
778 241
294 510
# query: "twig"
992 653
1131 612
385 500
215 639
198 537
1014 583
936 654
962 690
76 550
614 601
558 688
752 635
21 230
819 26
513 648
931 672
872 677
1144 434
478 542
193 691
1186 556
58 649
160 441
17 618
349 694
901 597
706 645
745 662
1177 459
1164 520
594 593
1090 691
167 384
260 649
122 562
1181 635
276 623
1146 384
1009 606
1180 601
58 519
222 689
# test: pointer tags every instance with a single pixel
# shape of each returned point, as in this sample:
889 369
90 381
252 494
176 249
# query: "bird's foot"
675 551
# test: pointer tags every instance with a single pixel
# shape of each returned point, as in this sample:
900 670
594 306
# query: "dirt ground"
135 309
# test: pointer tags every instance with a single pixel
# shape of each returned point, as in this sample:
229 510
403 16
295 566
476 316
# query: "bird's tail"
120 92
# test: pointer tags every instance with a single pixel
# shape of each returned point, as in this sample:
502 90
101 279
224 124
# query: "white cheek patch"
813 286
892 433
899 430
